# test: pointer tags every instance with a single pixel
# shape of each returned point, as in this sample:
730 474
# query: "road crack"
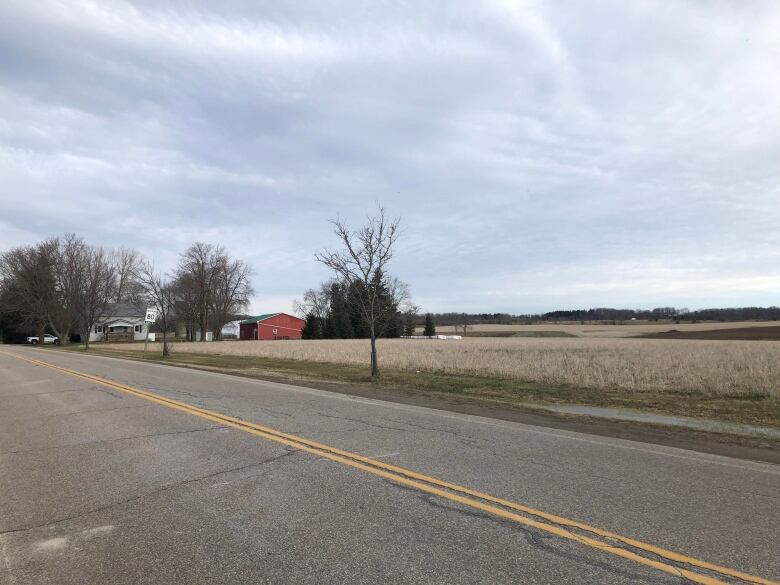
533 537
92 411
465 439
287 453
361 421
151 435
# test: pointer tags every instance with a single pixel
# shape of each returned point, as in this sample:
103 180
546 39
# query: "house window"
274 330
138 328
98 329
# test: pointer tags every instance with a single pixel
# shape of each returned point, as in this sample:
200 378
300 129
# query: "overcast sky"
543 155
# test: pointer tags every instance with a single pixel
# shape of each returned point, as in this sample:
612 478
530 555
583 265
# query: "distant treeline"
609 314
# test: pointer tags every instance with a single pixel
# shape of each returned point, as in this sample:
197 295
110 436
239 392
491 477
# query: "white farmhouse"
120 322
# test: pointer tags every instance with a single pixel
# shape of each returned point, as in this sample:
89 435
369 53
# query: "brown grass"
711 368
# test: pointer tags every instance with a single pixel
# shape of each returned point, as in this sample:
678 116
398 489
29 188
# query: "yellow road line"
432 486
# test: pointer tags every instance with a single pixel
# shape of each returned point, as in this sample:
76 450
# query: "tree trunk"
374 361
41 333
86 338
165 340
204 319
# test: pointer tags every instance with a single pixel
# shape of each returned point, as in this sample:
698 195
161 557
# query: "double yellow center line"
664 560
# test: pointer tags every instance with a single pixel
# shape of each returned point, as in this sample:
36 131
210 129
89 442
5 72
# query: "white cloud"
542 155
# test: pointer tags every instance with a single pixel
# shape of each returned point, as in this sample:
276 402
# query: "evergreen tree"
329 328
344 319
409 324
393 326
430 326
390 323
340 326
356 321
313 329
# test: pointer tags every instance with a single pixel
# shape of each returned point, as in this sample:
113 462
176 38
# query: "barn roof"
258 318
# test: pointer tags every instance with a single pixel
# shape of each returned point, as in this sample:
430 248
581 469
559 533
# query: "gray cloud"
543 155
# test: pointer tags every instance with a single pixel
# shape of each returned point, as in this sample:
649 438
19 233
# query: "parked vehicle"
52 339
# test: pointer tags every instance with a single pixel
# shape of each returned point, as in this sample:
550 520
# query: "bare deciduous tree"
99 281
68 269
231 292
127 262
159 292
60 282
199 264
361 264
315 302
463 323
28 283
186 303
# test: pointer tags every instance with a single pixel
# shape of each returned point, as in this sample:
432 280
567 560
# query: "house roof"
123 310
120 321
258 318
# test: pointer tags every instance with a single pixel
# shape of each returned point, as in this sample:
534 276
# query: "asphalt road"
100 485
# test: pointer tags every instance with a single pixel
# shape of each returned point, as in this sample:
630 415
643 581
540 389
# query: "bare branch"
361 264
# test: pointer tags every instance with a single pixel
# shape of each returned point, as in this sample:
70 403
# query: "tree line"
666 313
460 320
64 285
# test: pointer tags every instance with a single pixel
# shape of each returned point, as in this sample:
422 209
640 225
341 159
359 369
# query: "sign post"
151 317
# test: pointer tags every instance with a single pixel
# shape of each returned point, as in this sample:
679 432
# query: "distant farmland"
627 329
738 333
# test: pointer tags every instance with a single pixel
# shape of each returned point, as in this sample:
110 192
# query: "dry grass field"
710 368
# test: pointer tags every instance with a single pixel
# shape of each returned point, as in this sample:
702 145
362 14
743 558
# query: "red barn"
271 326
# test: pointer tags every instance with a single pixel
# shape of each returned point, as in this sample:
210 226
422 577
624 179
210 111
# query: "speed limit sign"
151 316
